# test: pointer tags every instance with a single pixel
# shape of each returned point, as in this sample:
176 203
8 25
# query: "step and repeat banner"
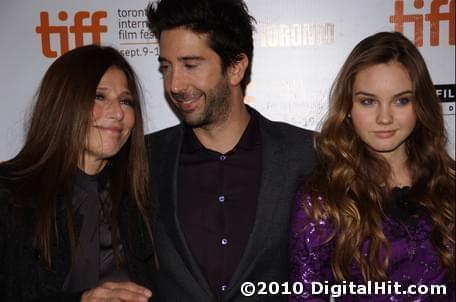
299 47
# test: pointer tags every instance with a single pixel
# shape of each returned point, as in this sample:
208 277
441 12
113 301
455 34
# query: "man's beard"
216 105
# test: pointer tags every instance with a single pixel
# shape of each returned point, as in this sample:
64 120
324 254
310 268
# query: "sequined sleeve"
309 256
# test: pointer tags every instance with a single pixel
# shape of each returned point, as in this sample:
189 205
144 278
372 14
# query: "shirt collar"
249 139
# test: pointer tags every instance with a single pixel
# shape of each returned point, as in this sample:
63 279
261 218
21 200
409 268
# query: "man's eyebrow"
185 58
191 58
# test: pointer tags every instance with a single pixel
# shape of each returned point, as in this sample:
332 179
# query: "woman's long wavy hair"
354 180
41 176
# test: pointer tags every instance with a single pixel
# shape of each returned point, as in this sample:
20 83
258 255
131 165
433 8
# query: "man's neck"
223 137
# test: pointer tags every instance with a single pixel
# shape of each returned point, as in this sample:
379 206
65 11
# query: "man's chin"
193 122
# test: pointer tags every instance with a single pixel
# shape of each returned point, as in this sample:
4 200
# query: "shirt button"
224 287
224 241
222 157
221 198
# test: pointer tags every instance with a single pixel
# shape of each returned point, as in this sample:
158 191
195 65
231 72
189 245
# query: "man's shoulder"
285 131
164 134
281 128
292 130
163 144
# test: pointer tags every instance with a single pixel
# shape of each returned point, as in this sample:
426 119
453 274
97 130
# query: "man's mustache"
185 96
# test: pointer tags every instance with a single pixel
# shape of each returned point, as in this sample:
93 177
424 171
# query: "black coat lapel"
270 191
167 212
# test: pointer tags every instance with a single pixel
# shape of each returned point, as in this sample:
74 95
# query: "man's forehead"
184 44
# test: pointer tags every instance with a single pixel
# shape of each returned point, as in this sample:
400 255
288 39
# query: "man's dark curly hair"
227 23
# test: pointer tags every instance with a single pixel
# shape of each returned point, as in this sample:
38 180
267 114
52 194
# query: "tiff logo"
434 17
78 29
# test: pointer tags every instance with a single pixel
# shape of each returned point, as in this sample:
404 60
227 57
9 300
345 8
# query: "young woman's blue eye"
367 102
402 101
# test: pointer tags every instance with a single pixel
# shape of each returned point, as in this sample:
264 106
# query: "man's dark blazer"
24 275
287 154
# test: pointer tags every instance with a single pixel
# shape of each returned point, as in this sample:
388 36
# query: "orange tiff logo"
434 17
78 29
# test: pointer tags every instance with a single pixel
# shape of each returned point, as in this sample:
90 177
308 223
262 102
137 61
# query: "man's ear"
237 69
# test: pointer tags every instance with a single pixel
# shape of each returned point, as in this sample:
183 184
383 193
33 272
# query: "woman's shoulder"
308 198
309 221
5 179
8 208
8 194
5 192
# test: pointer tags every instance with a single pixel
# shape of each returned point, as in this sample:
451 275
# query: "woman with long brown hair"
74 202
381 205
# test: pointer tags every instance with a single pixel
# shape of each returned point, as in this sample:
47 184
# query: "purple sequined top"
413 259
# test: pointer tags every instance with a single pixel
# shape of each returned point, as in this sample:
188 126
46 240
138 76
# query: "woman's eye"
128 102
402 101
99 97
367 102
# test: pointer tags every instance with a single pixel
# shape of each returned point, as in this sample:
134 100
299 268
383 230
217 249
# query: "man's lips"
186 97
187 105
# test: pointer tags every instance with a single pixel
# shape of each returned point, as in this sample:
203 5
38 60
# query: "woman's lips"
384 134
110 128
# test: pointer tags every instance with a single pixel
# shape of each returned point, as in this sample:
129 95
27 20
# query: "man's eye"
162 68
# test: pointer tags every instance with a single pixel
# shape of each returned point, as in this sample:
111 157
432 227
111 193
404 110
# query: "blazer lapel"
273 161
168 204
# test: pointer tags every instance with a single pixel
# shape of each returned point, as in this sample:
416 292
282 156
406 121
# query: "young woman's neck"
400 172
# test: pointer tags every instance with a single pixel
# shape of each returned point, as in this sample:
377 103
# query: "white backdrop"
299 47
